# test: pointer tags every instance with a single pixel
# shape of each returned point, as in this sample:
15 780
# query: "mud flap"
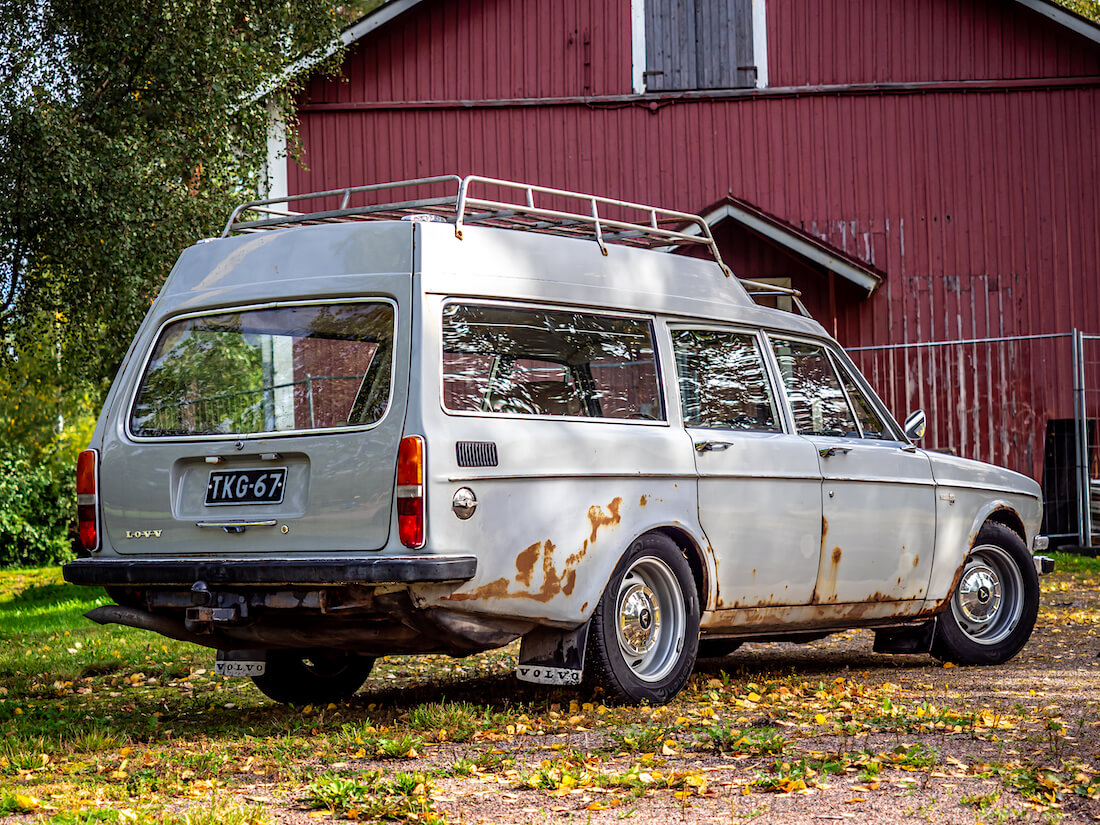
241 663
549 656
915 639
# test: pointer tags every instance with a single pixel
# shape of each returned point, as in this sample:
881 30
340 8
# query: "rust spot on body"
552 581
916 560
643 501
496 589
598 518
525 563
825 589
569 583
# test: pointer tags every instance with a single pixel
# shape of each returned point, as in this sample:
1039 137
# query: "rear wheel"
995 603
302 678
645 630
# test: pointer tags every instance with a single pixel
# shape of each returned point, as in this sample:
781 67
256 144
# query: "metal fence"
1028 402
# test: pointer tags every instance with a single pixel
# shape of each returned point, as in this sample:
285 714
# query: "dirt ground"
1035 760
775 733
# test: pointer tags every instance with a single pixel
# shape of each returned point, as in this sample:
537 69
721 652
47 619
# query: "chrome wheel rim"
988 601
650 619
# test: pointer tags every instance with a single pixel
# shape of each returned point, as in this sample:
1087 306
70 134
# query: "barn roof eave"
353 33
796 241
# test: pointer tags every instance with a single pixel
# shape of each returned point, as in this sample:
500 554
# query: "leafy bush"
37 510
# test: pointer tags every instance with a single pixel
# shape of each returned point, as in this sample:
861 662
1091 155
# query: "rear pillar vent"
476 453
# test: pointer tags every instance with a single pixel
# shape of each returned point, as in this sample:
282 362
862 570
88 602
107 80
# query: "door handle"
829 452
712 446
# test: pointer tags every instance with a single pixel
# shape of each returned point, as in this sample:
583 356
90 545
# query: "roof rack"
532 209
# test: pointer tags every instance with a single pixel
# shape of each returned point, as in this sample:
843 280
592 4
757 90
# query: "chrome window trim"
188 439
649 319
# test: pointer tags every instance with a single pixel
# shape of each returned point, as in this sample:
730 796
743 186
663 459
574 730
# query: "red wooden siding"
509 49
815 42
980 204
490 49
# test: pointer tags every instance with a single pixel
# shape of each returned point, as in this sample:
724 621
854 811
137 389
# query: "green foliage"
43 426
35 512
1085 8
127 130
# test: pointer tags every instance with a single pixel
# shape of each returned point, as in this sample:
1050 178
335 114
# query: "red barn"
923 171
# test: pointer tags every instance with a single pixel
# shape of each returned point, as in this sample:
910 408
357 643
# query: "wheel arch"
1009 518
697 562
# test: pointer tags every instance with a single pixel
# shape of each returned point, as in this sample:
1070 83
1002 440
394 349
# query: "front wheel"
304 678
995 603
645 630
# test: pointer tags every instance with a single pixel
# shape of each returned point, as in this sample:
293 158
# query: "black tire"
312 677
717 648
993 609
645 630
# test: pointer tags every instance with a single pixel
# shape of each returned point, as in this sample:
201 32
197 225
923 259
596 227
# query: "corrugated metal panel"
814 42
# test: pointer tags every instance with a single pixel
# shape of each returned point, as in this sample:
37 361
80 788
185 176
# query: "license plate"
246 486
224 667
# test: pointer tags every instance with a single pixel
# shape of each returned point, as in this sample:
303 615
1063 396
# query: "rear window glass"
548 362
268 370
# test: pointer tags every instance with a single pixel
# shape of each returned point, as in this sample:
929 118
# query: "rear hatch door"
268 428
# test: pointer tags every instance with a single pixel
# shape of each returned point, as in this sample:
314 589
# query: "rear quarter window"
547 362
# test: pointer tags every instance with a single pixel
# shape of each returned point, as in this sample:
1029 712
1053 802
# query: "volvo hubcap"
639 619
980 594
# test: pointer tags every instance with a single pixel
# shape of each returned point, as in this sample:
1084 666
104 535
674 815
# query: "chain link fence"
1028 402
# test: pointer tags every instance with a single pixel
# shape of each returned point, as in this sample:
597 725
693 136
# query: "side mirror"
915 424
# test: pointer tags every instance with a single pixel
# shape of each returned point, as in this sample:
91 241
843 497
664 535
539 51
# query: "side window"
548 362
869 420
722 381
813 389
706 44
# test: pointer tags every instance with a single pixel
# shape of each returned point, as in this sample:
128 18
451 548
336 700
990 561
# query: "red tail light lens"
410 491
87 498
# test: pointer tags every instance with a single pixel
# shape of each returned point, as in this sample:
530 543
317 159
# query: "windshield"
268 370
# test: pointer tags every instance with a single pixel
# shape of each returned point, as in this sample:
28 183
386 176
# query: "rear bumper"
271 572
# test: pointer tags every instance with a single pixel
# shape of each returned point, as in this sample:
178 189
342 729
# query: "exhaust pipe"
164 625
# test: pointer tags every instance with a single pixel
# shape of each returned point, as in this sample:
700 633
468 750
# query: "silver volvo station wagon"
498 412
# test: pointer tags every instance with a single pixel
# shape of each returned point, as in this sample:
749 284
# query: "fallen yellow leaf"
26 804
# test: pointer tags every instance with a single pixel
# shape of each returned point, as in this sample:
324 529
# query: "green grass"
1076 564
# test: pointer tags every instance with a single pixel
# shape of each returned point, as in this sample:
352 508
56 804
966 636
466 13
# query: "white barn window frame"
756 14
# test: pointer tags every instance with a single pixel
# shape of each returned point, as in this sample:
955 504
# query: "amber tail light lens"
87 498
410 491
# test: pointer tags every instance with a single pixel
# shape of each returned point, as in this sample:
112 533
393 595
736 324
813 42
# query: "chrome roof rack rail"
531 209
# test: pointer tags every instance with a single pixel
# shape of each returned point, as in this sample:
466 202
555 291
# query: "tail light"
410 491
87 498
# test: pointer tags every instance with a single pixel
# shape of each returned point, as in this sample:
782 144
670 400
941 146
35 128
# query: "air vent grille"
476 453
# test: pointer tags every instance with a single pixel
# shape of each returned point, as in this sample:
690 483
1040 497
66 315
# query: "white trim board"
793 242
